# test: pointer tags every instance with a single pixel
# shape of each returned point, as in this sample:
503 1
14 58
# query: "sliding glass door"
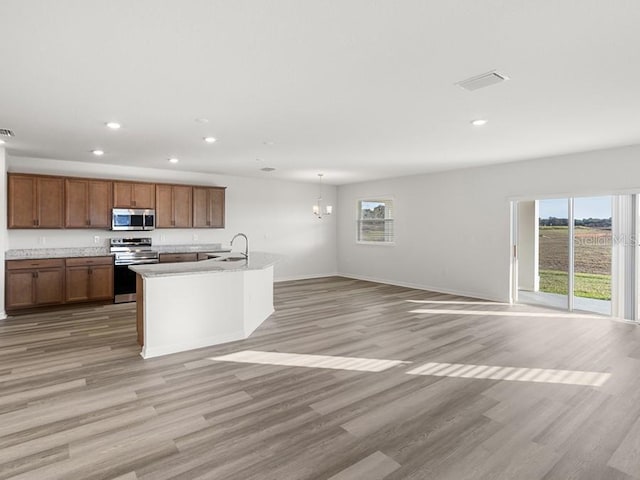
592 239
565 253
553 247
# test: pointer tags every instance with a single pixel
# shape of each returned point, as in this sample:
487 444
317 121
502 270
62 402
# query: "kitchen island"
184 306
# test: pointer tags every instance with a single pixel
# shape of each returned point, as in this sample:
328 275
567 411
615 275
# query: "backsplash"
28 239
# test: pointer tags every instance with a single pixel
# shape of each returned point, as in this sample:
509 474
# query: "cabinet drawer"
178 257
35 263
84 261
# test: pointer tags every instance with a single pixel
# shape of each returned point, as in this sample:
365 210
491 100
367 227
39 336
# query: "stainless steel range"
129 251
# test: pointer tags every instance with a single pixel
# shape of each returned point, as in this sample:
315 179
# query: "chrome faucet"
246 250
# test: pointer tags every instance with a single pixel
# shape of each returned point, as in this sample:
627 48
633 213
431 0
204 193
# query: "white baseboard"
305 277
428 288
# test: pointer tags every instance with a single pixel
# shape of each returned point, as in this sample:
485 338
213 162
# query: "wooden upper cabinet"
208 207
40 201
164 204
22 201
182 206
134 195
174 206
87 203
35 201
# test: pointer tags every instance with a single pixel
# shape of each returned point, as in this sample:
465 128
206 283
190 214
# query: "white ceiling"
357 89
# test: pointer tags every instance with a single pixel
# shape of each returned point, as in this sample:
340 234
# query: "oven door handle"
126 263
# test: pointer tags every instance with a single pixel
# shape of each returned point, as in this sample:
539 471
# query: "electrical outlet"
96 239
162 238
195 237
43 240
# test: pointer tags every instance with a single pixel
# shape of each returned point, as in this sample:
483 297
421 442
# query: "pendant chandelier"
320 209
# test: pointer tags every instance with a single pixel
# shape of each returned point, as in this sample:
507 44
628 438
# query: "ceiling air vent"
481 81
5 132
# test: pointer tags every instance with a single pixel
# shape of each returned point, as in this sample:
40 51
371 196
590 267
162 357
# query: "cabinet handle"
35 223
133 203
88 222
35 274
90 270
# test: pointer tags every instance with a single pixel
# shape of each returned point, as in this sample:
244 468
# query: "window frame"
381 199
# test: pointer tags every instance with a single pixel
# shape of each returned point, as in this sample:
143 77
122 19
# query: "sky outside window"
585 207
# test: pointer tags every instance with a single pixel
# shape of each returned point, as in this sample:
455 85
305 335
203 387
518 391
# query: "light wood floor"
77 401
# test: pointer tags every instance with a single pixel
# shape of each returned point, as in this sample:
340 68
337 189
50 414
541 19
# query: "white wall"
275 215
453 228
3 225
528 278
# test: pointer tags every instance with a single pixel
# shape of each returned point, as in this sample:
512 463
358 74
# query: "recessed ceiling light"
98 153
209 139
269 143
113 125
202 120
173 160
479 122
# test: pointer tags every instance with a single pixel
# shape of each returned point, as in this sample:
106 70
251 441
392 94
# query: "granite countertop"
257 261
29 253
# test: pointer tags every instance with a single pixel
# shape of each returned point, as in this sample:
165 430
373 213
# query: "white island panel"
199 309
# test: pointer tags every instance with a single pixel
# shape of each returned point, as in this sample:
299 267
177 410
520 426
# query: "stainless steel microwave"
133 219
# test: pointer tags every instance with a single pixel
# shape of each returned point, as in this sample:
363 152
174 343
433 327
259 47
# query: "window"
375 221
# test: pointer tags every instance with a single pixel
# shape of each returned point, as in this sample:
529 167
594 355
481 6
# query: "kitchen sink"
231 259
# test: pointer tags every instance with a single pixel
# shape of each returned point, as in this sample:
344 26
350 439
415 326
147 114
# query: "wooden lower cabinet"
178 257
55 281
89 279
140 309
32 283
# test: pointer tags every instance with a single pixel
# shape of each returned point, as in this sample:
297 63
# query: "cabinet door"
22 201
217 196
50 194
20 288
77 284
201 218
164 206
122 194
100 282
182 206
50 286
144 195
100 197
76 203
208 207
